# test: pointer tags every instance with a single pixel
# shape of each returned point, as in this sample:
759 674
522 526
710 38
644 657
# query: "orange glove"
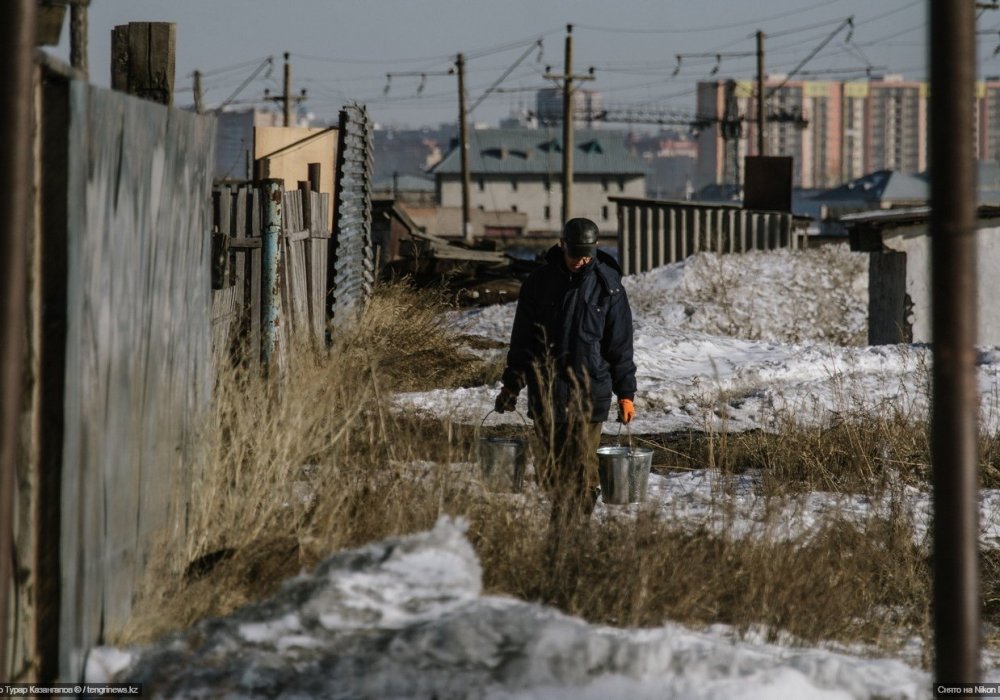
626 410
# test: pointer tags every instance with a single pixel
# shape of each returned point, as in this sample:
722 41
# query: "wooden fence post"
142 60
270 311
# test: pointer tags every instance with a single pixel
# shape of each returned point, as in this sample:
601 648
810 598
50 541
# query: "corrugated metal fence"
353 260
653 233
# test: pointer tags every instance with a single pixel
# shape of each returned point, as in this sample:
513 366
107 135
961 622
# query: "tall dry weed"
298 464
317 461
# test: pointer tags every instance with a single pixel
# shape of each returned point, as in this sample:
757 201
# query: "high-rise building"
835 131
587 104
988 120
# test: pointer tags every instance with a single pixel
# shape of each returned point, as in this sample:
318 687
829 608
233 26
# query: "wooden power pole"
285 98
17 46
463 137
567 160
761 97
955 397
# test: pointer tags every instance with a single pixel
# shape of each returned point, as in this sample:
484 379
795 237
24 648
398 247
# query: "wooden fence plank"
226 308
317 252
298 295
253 307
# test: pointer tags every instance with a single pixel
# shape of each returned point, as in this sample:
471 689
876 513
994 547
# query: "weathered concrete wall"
543 202
915 242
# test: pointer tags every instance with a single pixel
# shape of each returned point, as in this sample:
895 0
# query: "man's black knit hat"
581 238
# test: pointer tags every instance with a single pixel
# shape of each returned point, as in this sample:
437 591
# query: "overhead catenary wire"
648 74
267 63
229 69
857 23
708 28
506 73
846 23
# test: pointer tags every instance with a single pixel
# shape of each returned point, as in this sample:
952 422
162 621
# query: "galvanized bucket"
502 461
624 473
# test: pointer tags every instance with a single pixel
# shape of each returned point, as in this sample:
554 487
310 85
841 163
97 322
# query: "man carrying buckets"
571 345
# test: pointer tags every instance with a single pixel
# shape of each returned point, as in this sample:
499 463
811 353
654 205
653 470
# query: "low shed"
899 276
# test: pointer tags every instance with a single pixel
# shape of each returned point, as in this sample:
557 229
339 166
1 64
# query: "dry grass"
865 583
298 468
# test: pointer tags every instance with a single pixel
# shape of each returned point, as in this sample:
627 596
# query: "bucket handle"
492 411
628 433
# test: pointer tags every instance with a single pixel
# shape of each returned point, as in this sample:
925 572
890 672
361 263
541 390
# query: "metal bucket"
624 474
502 462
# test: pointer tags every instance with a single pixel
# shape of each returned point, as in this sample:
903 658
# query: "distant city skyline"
343 51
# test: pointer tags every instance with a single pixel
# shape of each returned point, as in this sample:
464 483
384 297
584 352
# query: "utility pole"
287 101
463 137
567 160
731 127
199 106
17 47
955 398
286 98
761 98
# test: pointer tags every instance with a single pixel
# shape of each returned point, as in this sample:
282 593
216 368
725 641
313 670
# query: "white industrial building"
520 170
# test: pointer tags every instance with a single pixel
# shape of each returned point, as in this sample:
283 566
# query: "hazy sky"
342 50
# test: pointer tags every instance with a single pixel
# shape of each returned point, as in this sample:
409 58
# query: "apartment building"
847 128
587 104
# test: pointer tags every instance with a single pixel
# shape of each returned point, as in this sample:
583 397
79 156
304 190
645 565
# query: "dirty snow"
722 342
406 618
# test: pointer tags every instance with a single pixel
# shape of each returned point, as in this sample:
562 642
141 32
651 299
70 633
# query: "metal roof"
539 152
887 216
894 217
405 183
880 186
866 230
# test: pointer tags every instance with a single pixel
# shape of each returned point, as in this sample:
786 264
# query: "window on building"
481 184
548 212
513 185
604 184
513 207
621 184
604 212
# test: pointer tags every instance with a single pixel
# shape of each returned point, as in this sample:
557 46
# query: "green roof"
539 152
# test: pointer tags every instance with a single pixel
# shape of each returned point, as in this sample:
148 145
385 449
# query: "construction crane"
730 123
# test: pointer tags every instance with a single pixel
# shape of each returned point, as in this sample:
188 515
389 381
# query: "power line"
849 23
858 23
267 63
229 69
878 41
506 73
440 58
708 28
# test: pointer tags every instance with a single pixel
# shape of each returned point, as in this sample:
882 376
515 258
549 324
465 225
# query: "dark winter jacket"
579 324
